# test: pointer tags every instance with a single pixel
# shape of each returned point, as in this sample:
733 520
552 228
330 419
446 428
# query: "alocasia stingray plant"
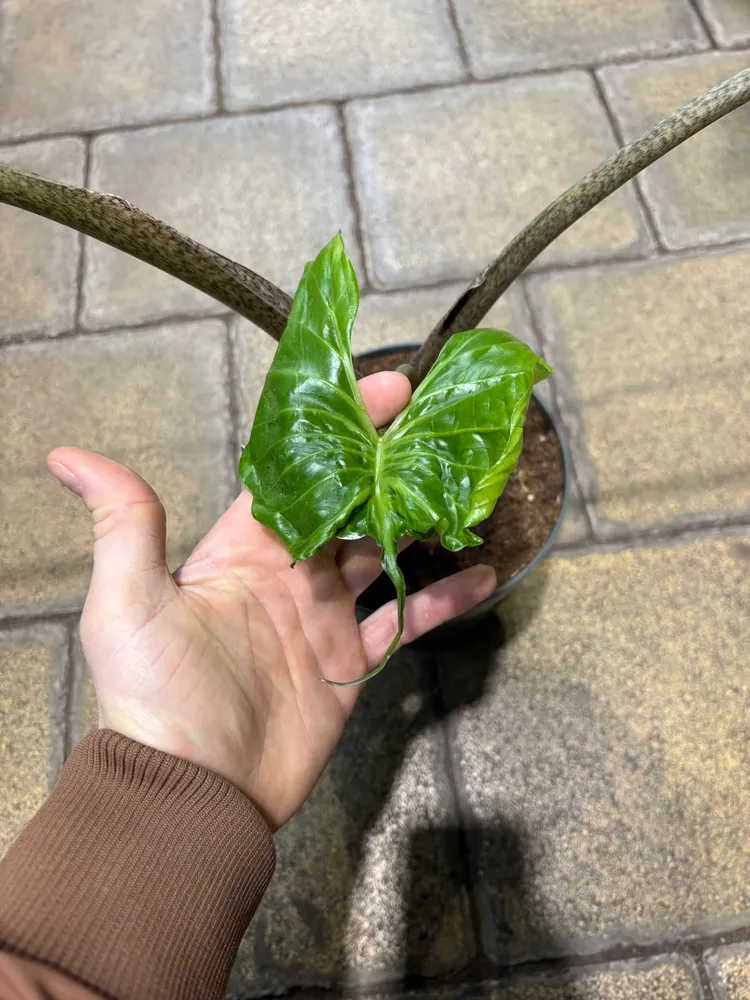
318 469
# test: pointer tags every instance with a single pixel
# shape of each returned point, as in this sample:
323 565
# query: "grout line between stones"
59 714
81 269
230 414
463 49
704 23
648 537
455 783
217 55
704 978
83 333
555 390
422 88
71 686
660 536
564 966
648 216
351 183
233 390
552 270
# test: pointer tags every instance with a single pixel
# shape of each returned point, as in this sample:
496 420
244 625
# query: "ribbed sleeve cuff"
139 875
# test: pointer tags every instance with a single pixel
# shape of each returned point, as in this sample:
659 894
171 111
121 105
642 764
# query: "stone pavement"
561 810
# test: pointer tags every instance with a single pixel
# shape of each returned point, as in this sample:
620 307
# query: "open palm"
222 662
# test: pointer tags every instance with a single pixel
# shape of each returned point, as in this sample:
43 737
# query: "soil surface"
522 521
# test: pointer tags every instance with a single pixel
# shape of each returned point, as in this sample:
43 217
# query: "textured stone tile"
729 971
269 191
604 751
700 193
153 399
87 64
729 20
367 885
334 50
446 178
32 672
506 37
38 258
654 357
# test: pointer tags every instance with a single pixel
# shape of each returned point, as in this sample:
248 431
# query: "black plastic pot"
469 617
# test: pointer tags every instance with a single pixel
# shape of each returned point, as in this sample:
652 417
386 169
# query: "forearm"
138 877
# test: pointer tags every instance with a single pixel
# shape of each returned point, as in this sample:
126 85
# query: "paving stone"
653 356
446 178
268 190
334 50
153 399
505 37
38 258
367 885
32 676
604 752
729 971
699 193
729 20
88 64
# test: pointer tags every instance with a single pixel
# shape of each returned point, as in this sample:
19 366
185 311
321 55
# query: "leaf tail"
391 567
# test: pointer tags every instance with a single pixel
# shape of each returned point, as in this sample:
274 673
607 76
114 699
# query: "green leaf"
316 466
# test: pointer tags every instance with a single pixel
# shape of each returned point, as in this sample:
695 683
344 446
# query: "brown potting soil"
522 521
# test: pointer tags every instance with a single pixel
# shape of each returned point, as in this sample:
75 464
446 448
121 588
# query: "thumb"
129 524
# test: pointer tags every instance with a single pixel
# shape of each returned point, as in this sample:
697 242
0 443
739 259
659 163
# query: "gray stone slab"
700 192
267 190
90 64
446 178
604 752
729 20
154 399
277 51
508 37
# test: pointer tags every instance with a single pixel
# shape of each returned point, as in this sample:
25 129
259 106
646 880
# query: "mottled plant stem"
113 220
574 203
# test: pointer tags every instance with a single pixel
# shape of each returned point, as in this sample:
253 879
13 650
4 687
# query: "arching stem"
113 220
496 278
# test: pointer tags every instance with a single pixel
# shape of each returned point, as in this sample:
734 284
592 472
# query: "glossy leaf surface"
317 468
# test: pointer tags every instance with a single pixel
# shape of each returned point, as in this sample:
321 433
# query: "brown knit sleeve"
139 875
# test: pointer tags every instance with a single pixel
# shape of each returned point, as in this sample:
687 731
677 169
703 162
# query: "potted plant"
316 466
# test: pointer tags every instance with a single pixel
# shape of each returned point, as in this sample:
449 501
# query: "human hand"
221 662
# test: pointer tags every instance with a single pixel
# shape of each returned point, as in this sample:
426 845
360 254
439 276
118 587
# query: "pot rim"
500 592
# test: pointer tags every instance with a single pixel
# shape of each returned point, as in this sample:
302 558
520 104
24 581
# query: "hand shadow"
379 881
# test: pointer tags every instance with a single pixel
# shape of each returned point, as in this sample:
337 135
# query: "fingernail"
488 578
66 477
